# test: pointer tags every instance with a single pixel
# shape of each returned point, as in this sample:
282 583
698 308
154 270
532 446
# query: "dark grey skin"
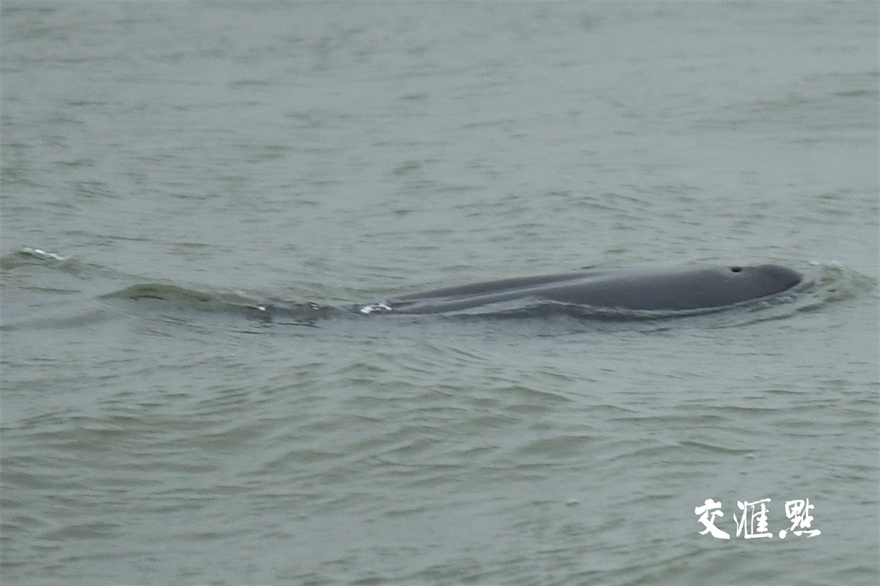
683 288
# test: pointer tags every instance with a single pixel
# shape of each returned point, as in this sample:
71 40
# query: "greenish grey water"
237 154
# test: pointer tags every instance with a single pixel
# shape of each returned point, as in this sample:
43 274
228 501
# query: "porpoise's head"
702 287
753 282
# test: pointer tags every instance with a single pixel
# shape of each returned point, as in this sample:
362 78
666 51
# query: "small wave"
37 257
834 282
828 283
185 298
28 256
163 292
543 310
42 254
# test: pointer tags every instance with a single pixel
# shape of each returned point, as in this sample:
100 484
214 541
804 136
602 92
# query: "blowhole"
735 269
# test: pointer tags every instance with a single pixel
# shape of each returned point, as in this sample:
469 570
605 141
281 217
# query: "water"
233 156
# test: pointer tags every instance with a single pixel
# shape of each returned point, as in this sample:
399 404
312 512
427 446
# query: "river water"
190 189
